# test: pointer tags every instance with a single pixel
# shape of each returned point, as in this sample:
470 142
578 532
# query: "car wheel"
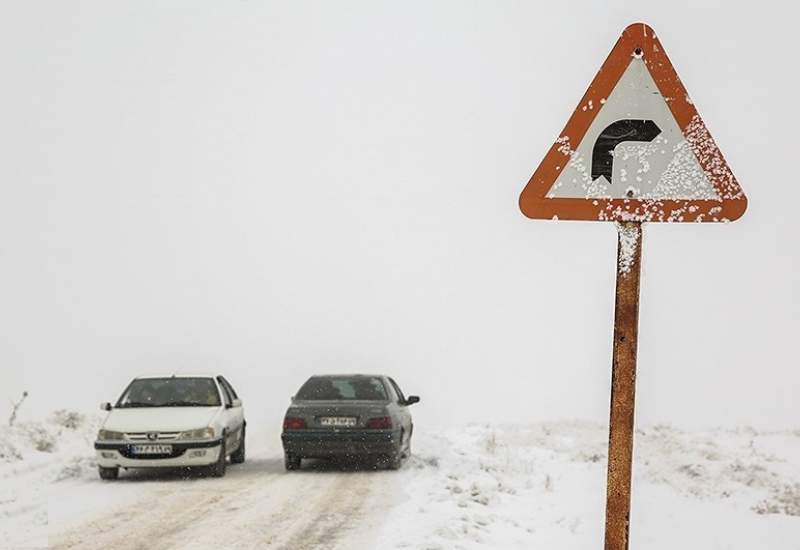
407 450
218 468
395 459
292 461
239 455
108 473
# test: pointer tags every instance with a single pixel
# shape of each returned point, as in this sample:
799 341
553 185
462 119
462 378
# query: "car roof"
177 375
349 376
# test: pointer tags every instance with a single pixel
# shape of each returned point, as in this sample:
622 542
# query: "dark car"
348 417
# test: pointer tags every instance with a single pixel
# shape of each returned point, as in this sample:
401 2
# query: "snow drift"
34 455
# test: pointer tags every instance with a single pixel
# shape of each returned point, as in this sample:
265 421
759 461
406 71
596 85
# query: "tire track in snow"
340 507
161 519
257 506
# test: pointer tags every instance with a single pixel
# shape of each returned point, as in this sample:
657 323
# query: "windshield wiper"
169 404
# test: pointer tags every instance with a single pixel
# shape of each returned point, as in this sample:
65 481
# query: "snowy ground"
476 487
543 486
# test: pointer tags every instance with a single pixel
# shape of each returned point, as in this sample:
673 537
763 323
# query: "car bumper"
184 454
325 444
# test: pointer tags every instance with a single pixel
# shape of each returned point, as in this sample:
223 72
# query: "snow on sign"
635 149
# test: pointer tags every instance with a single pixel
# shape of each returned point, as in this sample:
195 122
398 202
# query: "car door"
234 415
402 408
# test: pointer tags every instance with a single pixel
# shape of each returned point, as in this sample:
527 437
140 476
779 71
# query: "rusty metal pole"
623 386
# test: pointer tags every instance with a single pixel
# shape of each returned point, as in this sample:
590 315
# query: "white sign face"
633 149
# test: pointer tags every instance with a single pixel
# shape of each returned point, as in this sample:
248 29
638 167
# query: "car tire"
218 468
239 456
407 450
291 461
395 460
108 473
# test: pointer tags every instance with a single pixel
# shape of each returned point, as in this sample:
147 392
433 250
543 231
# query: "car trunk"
333 415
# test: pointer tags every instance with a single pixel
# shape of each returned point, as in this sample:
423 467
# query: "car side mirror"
105 406
236 403
411 399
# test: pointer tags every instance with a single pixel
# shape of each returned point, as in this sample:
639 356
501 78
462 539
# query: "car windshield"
170 392
348 388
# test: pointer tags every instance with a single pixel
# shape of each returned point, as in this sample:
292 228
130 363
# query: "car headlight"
108 435
202 433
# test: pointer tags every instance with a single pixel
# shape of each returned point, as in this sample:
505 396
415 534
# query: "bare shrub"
68 419
15 408
785 500
8 453
692 470
41 439
585 456
491 443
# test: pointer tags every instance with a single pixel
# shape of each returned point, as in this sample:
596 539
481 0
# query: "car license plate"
151 449
338 421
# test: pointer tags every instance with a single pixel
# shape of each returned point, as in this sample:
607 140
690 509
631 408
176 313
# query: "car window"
337 388
226 395
393 396
170 392
397 390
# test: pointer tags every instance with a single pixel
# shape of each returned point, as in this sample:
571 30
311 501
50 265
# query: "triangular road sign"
635 149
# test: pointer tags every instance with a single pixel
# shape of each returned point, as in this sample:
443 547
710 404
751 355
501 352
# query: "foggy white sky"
277 189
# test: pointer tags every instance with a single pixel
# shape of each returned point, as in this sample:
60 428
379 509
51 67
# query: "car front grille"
126 452
151 437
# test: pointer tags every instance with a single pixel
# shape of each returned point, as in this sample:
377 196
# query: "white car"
172 421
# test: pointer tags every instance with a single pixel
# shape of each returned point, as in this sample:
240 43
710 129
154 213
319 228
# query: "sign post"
623 385
635 150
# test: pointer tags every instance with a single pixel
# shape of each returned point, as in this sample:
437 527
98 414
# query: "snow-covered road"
257 505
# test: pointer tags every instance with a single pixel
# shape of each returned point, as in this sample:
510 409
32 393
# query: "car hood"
161 419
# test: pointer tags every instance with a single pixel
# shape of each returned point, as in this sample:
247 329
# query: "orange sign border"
533 201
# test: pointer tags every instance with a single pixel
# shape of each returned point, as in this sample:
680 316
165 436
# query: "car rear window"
170 392
348 388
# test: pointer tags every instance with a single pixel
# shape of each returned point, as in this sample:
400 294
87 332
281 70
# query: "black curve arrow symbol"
614 134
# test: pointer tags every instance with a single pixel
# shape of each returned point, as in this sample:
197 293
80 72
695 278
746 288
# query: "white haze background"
276 189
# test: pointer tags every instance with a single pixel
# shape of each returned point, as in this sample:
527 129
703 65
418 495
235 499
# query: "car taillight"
380 423
292 423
